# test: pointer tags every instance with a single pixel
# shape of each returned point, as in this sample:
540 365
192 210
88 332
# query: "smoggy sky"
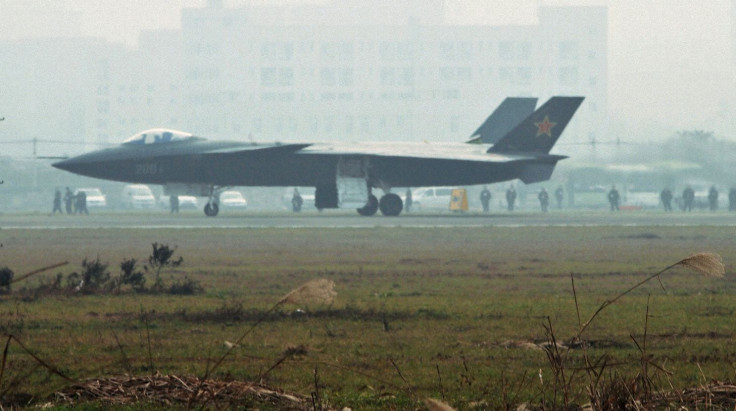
670 61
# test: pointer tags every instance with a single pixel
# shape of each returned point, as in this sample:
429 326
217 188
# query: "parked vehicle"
432 198
95 198
136 196
233 199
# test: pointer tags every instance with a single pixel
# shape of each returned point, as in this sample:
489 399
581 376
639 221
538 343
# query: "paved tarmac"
157 219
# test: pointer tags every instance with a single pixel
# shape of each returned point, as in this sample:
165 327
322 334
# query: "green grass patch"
420 312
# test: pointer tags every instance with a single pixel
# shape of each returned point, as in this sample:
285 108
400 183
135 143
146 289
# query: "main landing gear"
390 205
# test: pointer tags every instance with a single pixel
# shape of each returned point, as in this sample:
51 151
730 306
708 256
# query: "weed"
94 275
187 286
160 258
130 275
606 388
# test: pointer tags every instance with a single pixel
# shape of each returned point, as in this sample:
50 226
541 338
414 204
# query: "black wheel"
370 207
391 205
211 209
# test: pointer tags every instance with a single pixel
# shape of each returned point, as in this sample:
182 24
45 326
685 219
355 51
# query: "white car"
232 199
95 198
138 196
431 198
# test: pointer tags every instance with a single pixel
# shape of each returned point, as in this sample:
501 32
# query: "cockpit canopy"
157 136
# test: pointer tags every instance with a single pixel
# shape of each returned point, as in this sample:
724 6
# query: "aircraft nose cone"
78 165
66 165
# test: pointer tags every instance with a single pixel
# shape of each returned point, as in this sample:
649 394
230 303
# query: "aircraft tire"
370 207
391 205
211 210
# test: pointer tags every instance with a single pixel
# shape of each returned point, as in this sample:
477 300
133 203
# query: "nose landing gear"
211 209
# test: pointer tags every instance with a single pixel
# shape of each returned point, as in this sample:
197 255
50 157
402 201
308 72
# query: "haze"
670 62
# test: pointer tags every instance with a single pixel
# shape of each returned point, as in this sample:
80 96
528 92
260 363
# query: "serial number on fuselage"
146 169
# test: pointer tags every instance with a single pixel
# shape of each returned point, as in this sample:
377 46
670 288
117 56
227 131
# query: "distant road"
343 218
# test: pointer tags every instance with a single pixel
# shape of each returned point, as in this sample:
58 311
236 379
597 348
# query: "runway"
156 219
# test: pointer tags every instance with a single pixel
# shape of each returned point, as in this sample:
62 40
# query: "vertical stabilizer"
539 131
505 117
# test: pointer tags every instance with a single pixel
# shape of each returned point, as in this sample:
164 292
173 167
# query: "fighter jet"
341 172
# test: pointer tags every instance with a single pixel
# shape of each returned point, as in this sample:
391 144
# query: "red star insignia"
545 127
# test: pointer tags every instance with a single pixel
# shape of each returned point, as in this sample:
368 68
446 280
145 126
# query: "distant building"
378 70
344 70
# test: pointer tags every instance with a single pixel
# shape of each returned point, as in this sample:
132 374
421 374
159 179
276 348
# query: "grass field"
420 312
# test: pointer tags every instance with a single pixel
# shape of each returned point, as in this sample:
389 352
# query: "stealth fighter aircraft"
341 172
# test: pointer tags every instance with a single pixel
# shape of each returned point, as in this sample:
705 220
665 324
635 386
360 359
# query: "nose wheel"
211 209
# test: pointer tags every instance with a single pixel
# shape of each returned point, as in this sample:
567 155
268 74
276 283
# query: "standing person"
174 204
543 200
732 199
559 195
82 203
511 197
613 198
688 198
296 201
713 198
408 200
57 202
666 197
68 199
485 198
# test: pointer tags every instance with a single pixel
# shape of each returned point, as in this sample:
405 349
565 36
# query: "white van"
431 198
138 196
95 198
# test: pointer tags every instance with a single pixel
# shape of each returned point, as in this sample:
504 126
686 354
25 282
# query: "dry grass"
708 264
435 304
168 390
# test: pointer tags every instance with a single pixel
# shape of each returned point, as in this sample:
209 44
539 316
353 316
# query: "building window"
345 77
464 74
447 74
525 50
506 50
327 76
568 50
268 76
286 76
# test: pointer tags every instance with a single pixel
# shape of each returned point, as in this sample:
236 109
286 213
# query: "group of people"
688 199
542 196
73 204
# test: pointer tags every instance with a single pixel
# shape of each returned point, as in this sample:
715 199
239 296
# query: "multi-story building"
381 70
344 70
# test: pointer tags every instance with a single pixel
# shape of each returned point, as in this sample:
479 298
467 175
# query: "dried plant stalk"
437 405
708 264
319 291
